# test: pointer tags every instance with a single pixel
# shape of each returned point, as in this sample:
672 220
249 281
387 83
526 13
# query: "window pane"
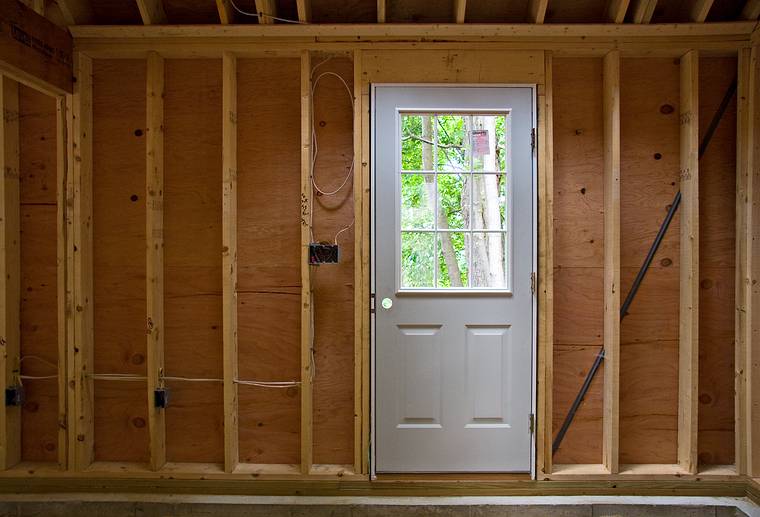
453 201
453 144
417 142
417 202
488 143
489 260
489 202
417 263
453 250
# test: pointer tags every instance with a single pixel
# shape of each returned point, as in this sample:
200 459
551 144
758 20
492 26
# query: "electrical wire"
259 15
22 377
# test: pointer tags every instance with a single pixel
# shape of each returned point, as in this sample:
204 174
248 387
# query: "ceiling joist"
304 10
751 10
643 10
460 6
380 11
616 10
76 12
537 10
700 10
267 11
151 12
226 12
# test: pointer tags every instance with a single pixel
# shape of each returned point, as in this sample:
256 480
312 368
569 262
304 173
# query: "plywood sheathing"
269 281
39 329
483 11
419 11
578 253
649 333
193 260
121 431
334 284
717 184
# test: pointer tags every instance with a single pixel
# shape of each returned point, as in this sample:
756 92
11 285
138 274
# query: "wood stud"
611 113
537 10
616 10
80 355
10 271
359 300
545 269
266 9
229 260
688 354
64 191
154 231
460 7
700 10
307 353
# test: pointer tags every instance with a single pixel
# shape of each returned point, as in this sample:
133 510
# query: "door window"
454 201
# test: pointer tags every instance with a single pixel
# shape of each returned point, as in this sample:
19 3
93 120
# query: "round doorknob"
387 303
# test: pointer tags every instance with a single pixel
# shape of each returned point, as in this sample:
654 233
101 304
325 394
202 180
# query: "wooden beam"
700 10
460 7
643 10
154 232
306 288
744 231
747 319
10 271
545 268
65 303
688 353
531 36
266 9
151 11
226 12
76 12
33 49
229 259
80 357
537 10
611 109
304 10
616 10
751 10
359 300
380 11
364 257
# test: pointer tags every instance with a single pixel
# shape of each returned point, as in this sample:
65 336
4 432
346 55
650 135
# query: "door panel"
453 241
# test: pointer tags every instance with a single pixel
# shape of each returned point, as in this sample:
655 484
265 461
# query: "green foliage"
453 185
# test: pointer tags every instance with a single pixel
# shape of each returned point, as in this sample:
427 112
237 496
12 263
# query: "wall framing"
457 60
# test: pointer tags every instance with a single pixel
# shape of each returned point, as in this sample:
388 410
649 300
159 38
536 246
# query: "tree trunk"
447 247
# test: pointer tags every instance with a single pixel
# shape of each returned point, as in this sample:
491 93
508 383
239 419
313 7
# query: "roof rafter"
76 12
380 11
460 6
226 12
304 10
700 10
616 10
151 11
267 10
751 10
537 10
643 10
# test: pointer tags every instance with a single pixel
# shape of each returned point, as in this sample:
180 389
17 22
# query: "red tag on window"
480 144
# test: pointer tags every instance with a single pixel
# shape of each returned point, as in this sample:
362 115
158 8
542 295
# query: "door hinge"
532 423
372 303
533 139
533 282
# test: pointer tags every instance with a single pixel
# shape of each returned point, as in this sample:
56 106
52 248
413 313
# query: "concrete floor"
146 505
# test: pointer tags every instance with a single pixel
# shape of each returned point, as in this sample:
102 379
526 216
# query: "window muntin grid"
455 201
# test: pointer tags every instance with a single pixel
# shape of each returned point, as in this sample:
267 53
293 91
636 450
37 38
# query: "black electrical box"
323 253
14 396
161 398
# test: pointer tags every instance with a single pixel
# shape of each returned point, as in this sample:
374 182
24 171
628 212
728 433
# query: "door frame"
534 254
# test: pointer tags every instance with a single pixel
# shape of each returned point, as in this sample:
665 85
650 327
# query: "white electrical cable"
132 377
38 377
117 377
258 15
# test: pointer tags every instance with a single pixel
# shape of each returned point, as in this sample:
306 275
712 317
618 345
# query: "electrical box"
14 396
161 398
323 253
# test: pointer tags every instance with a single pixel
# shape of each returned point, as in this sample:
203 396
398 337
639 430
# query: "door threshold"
454 476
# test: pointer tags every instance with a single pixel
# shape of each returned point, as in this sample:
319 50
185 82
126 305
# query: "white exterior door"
453 277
